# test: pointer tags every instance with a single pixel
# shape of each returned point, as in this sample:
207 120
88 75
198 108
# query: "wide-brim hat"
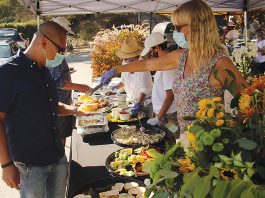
129 49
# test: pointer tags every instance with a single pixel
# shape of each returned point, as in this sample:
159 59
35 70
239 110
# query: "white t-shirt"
163 80
136 83
260 58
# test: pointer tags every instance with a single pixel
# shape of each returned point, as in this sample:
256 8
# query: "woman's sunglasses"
178 27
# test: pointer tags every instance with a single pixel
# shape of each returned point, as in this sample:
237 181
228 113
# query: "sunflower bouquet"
220 159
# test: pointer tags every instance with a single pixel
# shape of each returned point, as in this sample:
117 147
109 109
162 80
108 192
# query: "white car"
6 51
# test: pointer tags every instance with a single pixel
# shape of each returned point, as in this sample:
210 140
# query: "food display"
112 187
131 136
90 104
123 116
124 190
128 162
92 120
93 123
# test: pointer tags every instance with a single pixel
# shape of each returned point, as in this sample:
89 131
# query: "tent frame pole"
245 22
38 14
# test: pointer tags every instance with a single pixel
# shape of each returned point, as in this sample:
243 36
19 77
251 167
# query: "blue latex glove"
135 109
107 76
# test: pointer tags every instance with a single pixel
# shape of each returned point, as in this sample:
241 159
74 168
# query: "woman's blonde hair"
203 38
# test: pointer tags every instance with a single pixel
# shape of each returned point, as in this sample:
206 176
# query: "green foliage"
88 30
27 28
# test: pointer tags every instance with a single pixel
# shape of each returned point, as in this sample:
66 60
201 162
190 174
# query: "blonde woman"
196 66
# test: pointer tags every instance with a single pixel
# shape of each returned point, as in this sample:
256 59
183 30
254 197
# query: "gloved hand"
107 76
153 121
135 109
113 88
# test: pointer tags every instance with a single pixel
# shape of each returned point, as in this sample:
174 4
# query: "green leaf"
221 189
249 164
247 144
162 195
215 74
226 159
238 163
237 187
248 193
202 188
189 118
259 193
230 73
168 173
251 172
195 128
189 181
232 87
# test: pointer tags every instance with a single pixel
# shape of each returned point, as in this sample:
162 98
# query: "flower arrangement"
108 41
225 156
244 56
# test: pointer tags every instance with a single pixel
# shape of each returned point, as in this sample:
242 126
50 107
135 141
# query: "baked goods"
109 194
90 104
128 190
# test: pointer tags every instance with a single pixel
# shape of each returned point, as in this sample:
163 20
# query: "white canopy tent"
73 7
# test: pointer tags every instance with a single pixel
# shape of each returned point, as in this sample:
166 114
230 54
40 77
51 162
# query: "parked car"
167 29
6 50
8 34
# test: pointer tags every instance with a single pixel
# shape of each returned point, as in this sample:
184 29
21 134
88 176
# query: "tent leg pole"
38 21
150 21
245 27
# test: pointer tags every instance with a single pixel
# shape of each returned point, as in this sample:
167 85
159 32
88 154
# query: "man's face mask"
58 59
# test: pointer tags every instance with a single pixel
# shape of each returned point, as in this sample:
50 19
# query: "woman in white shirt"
260 58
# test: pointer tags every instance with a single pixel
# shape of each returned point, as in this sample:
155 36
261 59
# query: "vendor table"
87 158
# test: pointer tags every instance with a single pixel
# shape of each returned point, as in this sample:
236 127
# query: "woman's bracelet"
75 111
11 163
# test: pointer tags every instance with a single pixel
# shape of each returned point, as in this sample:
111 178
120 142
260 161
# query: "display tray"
127 162
132 136
92 189
132 120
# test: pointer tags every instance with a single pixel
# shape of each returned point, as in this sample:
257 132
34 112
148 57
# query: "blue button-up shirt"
28 96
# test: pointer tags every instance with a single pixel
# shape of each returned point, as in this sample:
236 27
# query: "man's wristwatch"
11 163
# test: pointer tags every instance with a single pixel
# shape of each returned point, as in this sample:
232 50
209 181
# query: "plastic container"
91 124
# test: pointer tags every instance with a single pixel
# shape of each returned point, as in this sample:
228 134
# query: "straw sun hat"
129 49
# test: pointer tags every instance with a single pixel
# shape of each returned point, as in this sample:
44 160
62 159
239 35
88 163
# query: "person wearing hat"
32 154
232 34
138 85
164 105
61 74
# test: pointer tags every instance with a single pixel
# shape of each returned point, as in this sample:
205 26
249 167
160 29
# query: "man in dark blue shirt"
28 112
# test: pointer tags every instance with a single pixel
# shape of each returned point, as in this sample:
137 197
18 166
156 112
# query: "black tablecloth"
88 155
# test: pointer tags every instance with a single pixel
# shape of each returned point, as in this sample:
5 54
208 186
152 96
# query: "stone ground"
79 59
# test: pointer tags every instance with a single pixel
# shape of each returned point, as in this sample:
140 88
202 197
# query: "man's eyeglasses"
61 50
178 27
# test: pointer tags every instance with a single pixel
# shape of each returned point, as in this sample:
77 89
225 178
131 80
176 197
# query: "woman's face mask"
58 59
180 39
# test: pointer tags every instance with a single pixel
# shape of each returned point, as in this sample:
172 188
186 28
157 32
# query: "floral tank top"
189 90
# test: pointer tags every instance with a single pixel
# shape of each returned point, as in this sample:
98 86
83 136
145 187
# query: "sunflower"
227 174
219 122
210 113
206 103
186 165
220 115
244 102
217 99
191 139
